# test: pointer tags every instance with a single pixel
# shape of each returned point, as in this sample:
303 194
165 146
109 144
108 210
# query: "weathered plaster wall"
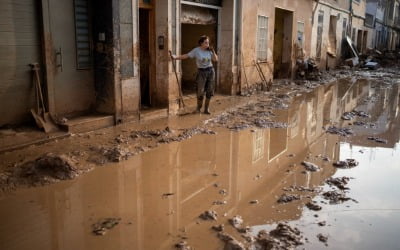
301 9
329 10
127 82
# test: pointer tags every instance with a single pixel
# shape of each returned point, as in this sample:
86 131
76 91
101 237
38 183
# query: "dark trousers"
205 82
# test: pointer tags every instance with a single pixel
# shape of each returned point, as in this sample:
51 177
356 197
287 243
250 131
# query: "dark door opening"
283 43
145 59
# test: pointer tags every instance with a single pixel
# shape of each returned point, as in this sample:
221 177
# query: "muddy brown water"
157 196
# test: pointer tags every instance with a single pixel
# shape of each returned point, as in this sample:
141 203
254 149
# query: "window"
344 30
369 20
262 36
82 35
300 34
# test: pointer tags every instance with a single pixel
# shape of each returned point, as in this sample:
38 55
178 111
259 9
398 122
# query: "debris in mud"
282 237
223 192
219 202
230 241
209 215
322 223
244 230
351 115
44 170
338 182
254 202
310 166
377 139
117 154
183 245
299 188
218 228
322 238
166 195
285 198
340 131
236 221
101 227
336 197
313 206
348 163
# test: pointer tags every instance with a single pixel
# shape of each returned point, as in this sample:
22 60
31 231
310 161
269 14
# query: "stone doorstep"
88 123
153 114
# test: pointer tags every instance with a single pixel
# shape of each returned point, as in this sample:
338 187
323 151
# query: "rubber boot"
206 105
199 104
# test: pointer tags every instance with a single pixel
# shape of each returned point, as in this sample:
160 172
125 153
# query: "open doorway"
283 43
331 50
195 22
145 57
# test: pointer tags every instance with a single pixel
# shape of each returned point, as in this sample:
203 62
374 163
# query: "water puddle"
154 199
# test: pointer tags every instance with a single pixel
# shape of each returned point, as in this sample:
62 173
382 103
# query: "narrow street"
306 166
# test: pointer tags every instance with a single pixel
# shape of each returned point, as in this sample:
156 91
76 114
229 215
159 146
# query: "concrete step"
88 123
153 114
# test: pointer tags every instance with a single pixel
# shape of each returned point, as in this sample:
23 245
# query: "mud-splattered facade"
331 24
271 32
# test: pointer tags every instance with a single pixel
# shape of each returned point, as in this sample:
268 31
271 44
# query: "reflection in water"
248 165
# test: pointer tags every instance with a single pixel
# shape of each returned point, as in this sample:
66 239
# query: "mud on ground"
82 152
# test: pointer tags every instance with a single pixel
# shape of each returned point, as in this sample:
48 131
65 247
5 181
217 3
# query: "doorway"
283 43
145 57
195 22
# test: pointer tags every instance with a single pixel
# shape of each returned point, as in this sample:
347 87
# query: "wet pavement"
255 177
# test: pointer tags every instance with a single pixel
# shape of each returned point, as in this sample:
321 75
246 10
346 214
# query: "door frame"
152 52
219 16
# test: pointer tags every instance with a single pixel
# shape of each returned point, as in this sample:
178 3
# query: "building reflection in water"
249 165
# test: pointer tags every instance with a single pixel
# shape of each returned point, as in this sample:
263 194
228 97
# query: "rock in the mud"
254 202
209 215
377 139
219 202
310 166
183 245
117 153
335 197
103 225
218 228
45 169
340 131
291 237
338 182
322 223
230 242
285 198
313 206
236 221
322 238
348 163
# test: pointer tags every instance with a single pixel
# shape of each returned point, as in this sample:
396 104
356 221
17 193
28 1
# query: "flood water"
159 195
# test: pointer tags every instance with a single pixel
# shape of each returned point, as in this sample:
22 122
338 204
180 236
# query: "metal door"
73 76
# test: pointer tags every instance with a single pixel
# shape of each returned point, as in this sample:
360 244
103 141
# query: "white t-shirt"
203 57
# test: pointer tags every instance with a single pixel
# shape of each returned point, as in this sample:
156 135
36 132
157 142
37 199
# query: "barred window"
82 35
262 38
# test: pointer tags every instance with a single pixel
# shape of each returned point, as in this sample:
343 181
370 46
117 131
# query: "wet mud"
217 185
